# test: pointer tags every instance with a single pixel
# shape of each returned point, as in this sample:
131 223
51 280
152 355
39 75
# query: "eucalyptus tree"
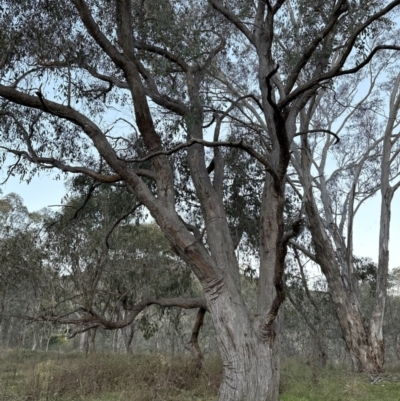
65 65
107 264
21 274
364 162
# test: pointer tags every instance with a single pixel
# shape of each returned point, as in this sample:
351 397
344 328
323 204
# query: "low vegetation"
51 376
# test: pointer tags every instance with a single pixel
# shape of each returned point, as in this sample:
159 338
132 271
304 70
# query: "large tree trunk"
355 334
250 361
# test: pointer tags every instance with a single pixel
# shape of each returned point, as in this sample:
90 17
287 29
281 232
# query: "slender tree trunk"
321 356
128 333
376 321
48 343
91 344
387 192
9 332
83 341
34 345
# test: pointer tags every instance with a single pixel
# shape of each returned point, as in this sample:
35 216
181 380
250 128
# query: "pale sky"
44 191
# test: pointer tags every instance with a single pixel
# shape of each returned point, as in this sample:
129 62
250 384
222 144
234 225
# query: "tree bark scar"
231 337
214 287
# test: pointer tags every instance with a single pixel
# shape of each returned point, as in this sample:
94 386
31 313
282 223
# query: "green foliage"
148 327
58 339
366 270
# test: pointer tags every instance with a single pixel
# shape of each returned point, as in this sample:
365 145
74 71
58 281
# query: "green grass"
40 376
300 383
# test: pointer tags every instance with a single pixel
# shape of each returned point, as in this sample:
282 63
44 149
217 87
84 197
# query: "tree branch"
96 320
123 217
50 162
241 145
332 74
341 8
92 188
163 52
95 32
326 131
234 19
304 250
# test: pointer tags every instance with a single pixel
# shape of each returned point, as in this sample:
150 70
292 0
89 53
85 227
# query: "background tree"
336 194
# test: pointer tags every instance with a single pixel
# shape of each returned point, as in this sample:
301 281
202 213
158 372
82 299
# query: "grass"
300 383
73 377
39 376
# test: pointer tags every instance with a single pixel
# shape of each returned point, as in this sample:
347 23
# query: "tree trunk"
321 356
376 321
250 361
48 343
341 290
344 298
91 344
83 341
127 334
34 345
387 192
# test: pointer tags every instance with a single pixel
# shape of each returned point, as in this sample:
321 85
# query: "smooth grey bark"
387 192
83 341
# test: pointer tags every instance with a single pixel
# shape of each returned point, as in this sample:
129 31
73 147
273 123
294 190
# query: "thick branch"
95 32
234 19
94 320
163 52
304 250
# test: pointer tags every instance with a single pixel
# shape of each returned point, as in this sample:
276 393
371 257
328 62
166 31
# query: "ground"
56 376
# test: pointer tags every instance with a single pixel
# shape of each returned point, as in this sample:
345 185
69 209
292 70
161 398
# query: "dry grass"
110 377
39 376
